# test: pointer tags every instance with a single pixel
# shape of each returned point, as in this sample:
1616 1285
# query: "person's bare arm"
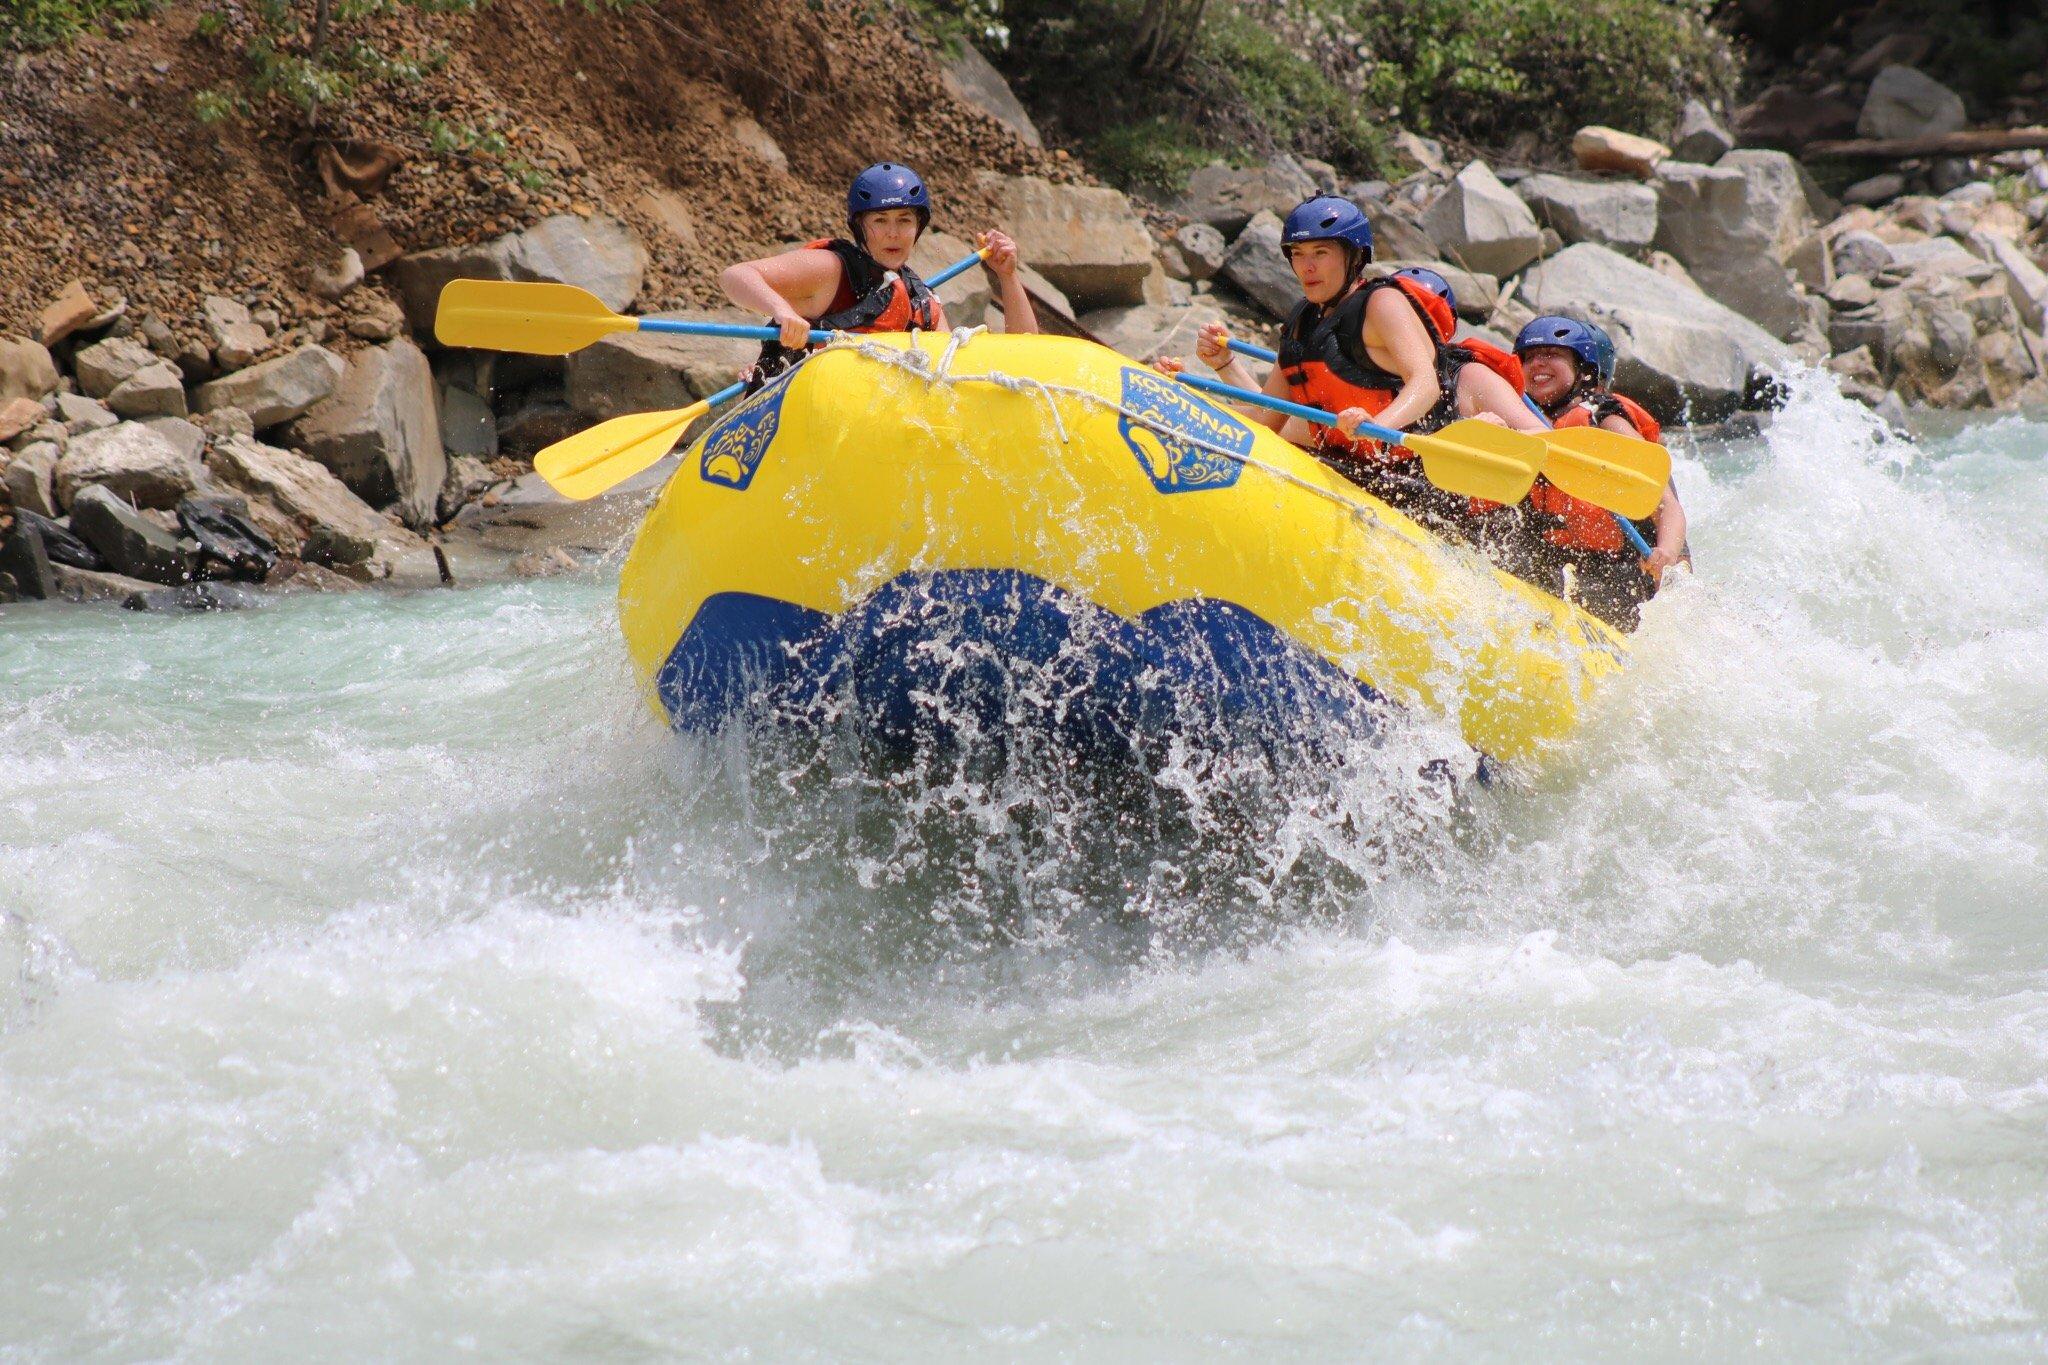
791 288
1482 393
1669 518
1212 348
1393 331
1018 315
1670 546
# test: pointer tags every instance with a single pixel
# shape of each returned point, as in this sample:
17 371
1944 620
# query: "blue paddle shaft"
950 271
748 332
1255 352
1281 405
742 330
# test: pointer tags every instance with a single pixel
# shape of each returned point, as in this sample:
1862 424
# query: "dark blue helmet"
887 185
1582 339
1433 282
1327 218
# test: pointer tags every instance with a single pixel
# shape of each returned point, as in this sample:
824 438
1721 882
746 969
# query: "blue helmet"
1591 345
1433 282
887 185
1327 218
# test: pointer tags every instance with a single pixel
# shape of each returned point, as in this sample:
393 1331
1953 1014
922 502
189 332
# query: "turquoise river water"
379 981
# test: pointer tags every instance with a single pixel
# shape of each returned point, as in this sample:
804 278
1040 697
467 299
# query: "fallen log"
1969 142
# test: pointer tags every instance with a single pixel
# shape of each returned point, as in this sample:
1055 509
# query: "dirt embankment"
655 113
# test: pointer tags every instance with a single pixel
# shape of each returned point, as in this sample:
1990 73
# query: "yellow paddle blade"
535 319
608 454
1480 460
1620 473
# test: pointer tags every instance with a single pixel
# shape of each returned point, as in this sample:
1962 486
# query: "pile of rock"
1715 268
120 441
120 475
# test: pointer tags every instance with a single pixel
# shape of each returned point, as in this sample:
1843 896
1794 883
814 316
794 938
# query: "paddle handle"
1628 528
1255 352
1281 405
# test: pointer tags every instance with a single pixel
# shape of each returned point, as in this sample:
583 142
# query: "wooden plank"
1969 142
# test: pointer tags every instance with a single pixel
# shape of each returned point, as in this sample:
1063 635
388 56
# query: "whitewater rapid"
377 979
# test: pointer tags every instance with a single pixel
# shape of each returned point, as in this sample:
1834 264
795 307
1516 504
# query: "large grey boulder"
1260 271
1700 136
1086 239
1395 238
276 391
1789 204
237 337
307 495
966 296
1227 197
468 426
1475 294
380 432
598 253
1480 223
25 562
102 366
2025 284
1153 331
1679 351
1202 249
31 478
971 79
1857 252
1616 213
153 391
130 542
80 414
1904 102
1732 226
1940 258
26 369
131 460
652 371
182 435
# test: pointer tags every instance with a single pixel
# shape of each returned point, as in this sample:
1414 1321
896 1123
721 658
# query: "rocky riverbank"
317 437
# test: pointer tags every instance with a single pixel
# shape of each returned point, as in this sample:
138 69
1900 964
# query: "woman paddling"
1361 349
1570 365
863 282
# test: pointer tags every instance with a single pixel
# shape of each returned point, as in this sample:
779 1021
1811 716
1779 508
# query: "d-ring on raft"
1053 501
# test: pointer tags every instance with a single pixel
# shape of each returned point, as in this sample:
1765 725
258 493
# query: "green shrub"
1487 70
1329 78
45 23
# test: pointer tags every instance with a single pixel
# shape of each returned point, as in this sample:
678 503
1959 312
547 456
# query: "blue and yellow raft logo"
734 447
1162 423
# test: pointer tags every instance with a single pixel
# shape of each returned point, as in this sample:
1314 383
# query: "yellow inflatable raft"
900 515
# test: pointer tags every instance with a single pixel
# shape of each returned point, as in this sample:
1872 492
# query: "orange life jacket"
1581 525
1325 363
871 299
1474 351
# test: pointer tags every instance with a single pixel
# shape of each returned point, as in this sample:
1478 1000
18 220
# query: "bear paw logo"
1182 443
734 448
